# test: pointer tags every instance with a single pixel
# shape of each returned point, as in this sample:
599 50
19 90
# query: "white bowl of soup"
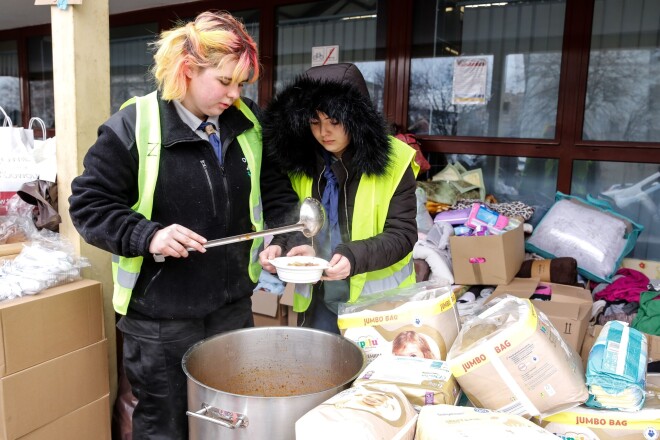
299 269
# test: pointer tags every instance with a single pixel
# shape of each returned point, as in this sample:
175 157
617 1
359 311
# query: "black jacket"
192 190
289 141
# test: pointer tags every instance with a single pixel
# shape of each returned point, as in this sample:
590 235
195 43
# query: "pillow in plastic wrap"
587 230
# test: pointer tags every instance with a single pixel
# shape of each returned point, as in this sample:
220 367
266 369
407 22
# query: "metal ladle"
312 218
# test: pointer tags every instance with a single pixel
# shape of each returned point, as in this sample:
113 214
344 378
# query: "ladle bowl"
312 218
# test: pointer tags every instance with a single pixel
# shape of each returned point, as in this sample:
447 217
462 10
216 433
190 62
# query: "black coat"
192 190
290 143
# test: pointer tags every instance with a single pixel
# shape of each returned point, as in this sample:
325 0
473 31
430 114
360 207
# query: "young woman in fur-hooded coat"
324 131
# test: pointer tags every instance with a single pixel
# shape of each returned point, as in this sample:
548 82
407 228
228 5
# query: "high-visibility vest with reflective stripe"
125 270
375 191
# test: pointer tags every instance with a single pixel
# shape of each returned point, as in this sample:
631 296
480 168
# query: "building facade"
531 97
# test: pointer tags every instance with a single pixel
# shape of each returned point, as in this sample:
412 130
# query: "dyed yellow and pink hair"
211 40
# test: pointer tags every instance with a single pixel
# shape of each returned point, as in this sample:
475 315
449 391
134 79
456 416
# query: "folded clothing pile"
434 249
616 369
561 270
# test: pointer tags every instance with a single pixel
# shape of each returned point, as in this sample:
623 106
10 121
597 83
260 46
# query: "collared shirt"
193 121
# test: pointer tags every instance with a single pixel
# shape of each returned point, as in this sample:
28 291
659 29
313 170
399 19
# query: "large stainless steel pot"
255 383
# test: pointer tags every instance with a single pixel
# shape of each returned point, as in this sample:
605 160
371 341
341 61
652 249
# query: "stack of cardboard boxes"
496 259
270 309
54 379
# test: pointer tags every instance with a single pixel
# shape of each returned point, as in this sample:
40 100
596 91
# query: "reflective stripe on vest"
125 271
376 191
251 145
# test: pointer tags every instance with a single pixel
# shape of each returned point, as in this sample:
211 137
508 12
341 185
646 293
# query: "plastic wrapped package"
587 230
47 261
16 228
616 369
376 411
442 422
392 321
510 358
422 381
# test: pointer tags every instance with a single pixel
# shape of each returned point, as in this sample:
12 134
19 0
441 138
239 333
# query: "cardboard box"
583 422
493 259
267 310
569 308
37 328
39 395
287 300
8 257
8 249
594 330
89 422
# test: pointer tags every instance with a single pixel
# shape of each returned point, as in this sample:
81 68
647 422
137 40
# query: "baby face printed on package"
423 328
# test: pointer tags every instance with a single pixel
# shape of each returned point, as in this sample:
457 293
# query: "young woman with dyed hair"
168 172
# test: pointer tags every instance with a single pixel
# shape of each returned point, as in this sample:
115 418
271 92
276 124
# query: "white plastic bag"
44 152
17 164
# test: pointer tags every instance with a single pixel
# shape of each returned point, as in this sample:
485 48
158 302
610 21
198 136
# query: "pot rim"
190 351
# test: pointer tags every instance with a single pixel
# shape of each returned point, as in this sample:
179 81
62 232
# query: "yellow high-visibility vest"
376 191
125 270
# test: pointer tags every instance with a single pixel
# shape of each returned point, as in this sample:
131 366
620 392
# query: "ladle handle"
159 258
253 235
228 419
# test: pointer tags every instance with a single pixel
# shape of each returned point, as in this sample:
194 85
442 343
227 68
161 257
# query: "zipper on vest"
208 180
348 224
228 217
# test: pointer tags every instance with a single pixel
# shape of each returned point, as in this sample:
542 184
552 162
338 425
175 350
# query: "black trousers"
318 316
153 350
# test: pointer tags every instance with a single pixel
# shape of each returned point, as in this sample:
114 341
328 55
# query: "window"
526 179
485 69
623 88
250 19
9 82
490 70
352 26
130 59
40 77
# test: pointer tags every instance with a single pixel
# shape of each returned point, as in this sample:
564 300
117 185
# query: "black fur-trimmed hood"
288 139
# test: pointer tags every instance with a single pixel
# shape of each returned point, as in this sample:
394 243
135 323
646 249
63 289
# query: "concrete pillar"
81 74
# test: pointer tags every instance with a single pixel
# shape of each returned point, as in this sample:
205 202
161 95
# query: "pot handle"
228 419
